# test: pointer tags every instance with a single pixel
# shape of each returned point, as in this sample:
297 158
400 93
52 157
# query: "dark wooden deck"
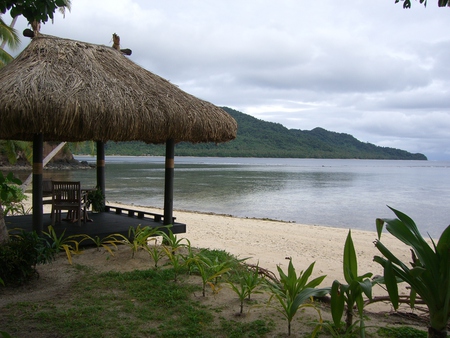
113 221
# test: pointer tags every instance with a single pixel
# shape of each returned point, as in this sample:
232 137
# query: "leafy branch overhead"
33 10
441 3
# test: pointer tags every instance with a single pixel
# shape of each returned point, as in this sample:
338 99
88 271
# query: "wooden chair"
68 196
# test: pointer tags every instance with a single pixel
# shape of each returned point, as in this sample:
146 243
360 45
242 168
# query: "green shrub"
11 195
19 257
428 274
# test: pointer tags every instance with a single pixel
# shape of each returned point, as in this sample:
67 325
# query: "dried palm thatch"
75 91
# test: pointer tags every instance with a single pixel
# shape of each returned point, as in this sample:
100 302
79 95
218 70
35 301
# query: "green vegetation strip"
130 304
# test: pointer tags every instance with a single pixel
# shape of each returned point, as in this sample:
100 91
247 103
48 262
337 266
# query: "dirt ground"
56 278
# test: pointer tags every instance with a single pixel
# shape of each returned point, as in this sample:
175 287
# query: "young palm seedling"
429 274
176 260
155 251
68 244
347 295
108 243
293 292
208 270
172 241
244 283
138 237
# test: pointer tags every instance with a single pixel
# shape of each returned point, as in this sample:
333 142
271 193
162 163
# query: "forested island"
258 138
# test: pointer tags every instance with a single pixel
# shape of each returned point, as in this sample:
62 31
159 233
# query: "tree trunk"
433 333
4 236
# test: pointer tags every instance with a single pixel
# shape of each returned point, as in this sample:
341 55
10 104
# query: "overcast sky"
368 68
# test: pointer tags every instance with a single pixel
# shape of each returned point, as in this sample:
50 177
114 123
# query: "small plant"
68 244
217 267
429 275
350 294
96 199
138 237
156 252
293 292
176 260
209 270
171 240
107 242
244 284
10 193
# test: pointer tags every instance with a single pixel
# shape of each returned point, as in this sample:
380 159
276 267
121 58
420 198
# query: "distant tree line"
258 138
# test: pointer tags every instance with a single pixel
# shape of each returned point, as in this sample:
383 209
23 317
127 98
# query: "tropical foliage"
428 274
20 255
407 3
350 294
33 10
10 198
295 292
9 37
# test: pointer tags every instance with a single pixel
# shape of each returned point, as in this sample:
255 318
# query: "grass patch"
130 304
401 331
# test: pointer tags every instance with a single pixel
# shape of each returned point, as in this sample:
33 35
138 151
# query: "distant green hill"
258 138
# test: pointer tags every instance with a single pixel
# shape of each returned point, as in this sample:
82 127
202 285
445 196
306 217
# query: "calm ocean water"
338 193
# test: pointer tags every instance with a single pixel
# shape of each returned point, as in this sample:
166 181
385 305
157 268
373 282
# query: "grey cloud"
367 68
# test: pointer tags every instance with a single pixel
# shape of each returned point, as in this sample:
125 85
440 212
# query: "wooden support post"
101 166
38 168
168 183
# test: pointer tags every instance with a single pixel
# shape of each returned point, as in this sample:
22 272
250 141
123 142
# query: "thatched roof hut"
75 91
64 90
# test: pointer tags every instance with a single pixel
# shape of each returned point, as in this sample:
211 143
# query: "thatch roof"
75 91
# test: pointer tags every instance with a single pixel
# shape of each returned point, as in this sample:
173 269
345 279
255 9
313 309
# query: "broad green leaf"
359 303
366 287
304 296
406 219
303 277
443 245
366 275
350 261
391 283
388 254
315 282
405 230
416 271
337 303
379 224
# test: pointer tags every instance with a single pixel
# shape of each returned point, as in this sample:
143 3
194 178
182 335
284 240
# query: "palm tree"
9 37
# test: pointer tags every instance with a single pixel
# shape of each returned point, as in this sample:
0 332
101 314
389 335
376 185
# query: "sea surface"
337 193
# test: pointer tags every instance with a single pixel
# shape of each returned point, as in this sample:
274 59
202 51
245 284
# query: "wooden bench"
136 213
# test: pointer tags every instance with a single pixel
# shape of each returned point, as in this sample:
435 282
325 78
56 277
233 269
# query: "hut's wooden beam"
168 183
38 168
101 166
